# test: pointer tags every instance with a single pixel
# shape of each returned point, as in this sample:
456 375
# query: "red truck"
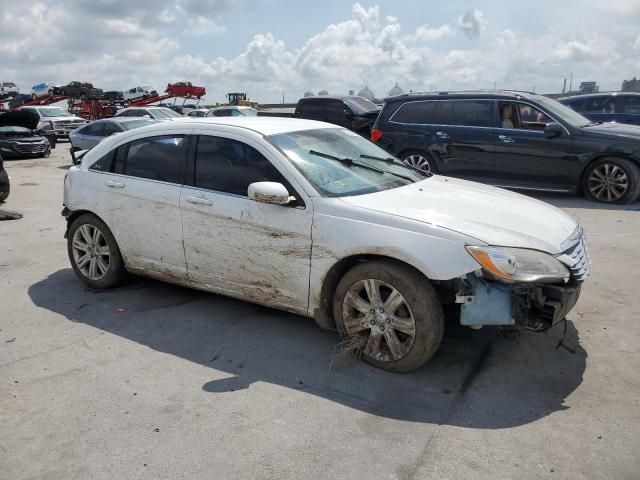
185 89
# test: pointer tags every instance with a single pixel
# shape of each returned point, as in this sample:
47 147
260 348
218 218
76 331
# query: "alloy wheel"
418 162
378 320
91 252
608 182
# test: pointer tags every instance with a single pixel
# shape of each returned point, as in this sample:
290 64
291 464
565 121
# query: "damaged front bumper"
531 306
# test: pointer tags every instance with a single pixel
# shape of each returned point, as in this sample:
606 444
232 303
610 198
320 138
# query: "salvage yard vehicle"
88 136
55 119
621 107
79 90
233 111
156 113
140 92
8 89
5 186
185 89
19 137
200 112
514 140
311 218
43 90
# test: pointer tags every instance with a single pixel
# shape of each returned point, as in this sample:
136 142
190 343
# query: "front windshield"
360 105
14 129
563 112
53 112
334 178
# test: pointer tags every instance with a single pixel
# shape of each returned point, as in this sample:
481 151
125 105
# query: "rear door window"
93 129
416 113
472 113
159 158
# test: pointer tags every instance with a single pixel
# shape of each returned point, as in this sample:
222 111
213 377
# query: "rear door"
463 138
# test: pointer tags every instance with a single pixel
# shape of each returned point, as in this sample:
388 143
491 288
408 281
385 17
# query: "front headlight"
513 265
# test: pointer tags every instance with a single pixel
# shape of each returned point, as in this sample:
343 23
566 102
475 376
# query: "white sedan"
312 218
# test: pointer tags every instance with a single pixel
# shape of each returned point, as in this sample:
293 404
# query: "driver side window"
521 116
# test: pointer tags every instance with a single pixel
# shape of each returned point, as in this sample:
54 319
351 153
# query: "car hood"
26 119
614 129
492 215
24 137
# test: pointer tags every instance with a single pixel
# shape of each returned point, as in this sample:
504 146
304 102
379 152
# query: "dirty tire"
420 160
419 306
4 176
115 271
624 178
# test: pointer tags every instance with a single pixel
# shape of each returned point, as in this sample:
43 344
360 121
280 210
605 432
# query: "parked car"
621 107
19 99
200 112
5 184
512 139
140 92
257 209
8 90
113 96
88 136
43 90
233 111
55 119
79 90
352 112
185 89
19 136
157 113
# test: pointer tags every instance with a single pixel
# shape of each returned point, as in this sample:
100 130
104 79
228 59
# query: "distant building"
588 87
309 94
323 92
367 93
632 85
396 90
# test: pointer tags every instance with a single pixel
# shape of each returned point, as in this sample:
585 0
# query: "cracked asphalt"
156 381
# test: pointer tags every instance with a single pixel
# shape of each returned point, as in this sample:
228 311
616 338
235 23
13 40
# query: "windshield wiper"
347 161
393 161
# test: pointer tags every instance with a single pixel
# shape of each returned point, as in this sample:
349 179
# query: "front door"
237 246
524 156
463 138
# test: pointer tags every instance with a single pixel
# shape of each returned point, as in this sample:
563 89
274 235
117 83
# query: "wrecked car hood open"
492 215
20 118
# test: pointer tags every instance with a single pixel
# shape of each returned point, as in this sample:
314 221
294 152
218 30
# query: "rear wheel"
419 160
612 180
389 314
94 253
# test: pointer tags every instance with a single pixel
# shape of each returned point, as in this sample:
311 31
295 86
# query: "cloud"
472 23
636 44
425 33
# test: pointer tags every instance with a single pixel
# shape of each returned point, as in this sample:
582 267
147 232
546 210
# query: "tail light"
376 134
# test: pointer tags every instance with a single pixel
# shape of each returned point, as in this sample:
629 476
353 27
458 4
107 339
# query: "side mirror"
269 192
553 130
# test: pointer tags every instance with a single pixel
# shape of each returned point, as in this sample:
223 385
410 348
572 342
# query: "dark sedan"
621 107
512 139
19 138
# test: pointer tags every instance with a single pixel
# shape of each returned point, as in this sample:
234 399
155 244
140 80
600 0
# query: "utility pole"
564 87
571 83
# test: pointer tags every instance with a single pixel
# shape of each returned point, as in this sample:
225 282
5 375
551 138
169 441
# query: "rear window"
632 105
415 112
473 113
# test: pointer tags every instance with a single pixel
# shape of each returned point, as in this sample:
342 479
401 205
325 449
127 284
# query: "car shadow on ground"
562 200
477 379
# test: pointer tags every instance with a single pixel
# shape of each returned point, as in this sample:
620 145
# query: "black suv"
621 107
512 139
354 113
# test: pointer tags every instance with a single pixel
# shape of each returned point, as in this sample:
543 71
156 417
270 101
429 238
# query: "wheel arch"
602 155
323 315
71 215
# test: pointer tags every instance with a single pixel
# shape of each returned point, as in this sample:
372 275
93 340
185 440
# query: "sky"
268 48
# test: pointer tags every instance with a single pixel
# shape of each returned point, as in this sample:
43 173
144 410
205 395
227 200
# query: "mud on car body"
311 218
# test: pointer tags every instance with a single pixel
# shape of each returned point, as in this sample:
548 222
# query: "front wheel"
612 180
389 314
94 253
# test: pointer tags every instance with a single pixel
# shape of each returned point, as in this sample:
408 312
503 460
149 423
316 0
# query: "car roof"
487 94
600 94
330 97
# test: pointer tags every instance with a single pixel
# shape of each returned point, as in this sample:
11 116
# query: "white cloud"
425 33
472 23
636 44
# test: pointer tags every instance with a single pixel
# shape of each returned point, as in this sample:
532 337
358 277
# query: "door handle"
506 139
199 201
442 135
113 184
